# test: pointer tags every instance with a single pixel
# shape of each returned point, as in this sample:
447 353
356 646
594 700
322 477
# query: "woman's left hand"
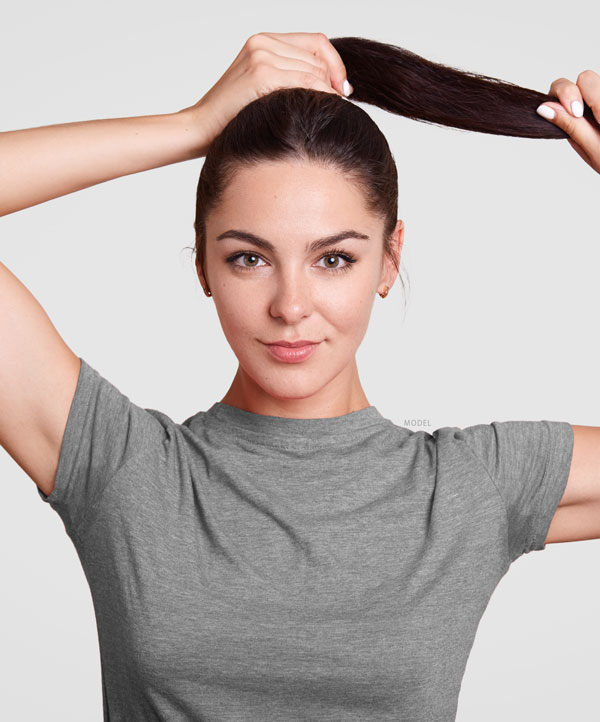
584 137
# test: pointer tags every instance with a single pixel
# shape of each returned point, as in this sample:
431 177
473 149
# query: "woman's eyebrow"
310 247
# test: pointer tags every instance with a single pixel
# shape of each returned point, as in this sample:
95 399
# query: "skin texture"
292 294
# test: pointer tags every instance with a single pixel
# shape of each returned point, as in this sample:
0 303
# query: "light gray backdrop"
501 247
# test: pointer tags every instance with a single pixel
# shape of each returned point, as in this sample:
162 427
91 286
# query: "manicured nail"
577 108
546 112
346 88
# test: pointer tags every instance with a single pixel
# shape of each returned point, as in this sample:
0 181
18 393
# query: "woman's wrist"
197 128
190 125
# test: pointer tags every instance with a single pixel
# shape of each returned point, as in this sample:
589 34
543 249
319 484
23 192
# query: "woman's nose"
291 298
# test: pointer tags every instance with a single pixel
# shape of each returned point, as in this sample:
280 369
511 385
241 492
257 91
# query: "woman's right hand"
268 62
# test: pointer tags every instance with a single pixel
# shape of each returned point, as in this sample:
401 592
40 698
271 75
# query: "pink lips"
292 353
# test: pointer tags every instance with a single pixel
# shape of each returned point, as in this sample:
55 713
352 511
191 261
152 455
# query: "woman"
290 553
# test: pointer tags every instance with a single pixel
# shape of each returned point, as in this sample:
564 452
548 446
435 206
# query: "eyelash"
349 258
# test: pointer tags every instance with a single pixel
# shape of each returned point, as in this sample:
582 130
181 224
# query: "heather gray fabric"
256 568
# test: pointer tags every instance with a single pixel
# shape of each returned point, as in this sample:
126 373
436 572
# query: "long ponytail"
401 82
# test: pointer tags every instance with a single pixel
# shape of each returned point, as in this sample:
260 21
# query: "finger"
306 79
589 84
287 50
569 95
285 62
580 129
319 46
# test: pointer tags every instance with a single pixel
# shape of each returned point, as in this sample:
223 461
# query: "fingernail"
346 88
577 108
546 112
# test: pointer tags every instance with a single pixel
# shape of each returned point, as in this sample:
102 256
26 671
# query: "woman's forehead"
300 192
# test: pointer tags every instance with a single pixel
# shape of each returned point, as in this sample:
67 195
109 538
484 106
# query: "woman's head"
292 168
297 165
296 124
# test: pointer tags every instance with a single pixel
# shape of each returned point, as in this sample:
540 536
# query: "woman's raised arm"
37 164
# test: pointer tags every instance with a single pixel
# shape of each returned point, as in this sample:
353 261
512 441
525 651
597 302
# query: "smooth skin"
288 293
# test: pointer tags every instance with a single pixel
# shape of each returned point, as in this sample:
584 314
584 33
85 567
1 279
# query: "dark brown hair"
304 124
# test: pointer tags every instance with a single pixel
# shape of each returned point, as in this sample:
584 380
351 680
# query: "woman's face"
286 290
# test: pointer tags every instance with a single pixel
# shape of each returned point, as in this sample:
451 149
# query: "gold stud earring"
385 292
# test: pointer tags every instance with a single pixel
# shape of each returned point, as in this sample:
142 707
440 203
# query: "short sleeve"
104 430
529 463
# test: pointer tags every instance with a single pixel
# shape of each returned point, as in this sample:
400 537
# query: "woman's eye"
333 262
337 261
253 261
336 256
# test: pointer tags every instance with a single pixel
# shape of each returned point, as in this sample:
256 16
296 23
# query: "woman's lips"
292 355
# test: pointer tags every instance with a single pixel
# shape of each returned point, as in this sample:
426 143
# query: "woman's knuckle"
259 56
254 41
586 74
260 62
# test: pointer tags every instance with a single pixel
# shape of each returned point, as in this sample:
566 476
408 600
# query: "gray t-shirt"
255 568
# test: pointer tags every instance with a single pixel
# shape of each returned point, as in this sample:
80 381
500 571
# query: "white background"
501 248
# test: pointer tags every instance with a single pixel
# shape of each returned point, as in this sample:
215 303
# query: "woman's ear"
389 272
201 277
398 238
